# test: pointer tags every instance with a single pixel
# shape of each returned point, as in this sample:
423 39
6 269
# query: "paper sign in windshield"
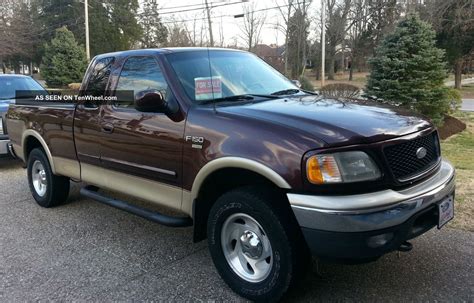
207 88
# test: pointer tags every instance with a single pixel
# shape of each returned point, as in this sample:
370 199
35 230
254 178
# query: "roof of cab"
166 50
14 76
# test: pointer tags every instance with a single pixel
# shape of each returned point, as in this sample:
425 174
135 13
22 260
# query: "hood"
4 105
335 122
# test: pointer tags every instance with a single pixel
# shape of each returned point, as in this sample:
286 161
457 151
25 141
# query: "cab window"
139 74
99 77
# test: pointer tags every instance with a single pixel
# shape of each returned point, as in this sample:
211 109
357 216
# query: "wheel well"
214 186
30 144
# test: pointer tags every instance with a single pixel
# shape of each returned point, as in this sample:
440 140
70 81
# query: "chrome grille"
404 161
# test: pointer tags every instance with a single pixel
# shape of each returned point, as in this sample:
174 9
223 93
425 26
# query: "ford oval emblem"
421 153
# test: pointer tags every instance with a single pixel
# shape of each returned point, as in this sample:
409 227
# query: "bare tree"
252 27
298 39
286 9
336 28
178 35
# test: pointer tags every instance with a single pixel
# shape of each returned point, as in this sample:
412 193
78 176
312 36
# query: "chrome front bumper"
372 211
4 147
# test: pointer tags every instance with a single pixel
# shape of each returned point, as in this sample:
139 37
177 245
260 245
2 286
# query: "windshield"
9 85
226 74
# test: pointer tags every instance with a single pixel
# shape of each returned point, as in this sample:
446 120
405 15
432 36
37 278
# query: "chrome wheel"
38 177
247 248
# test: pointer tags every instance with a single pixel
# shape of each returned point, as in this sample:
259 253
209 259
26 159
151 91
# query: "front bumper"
369 225
4 147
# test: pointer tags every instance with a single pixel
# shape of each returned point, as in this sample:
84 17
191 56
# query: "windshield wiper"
290 91
238 98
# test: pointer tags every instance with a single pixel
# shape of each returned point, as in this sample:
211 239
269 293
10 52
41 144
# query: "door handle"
107 128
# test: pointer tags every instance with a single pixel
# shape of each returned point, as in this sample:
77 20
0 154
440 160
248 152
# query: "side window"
99 77
139 74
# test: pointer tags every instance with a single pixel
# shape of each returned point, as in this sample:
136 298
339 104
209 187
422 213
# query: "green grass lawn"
467 91
459 149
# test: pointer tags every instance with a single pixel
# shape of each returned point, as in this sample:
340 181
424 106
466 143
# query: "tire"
47 189
263 215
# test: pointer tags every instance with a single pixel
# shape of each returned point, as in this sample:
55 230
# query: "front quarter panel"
228 135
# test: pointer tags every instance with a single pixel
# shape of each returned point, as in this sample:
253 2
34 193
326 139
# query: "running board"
91 193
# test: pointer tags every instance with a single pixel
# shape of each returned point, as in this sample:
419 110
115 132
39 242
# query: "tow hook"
405 247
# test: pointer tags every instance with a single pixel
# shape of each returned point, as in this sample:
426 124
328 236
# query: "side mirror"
150 101
297 83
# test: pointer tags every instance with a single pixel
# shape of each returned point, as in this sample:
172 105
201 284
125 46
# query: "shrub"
306 84
408 69
340 90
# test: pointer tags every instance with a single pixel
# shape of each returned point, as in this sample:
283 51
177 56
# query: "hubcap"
246 247
38 176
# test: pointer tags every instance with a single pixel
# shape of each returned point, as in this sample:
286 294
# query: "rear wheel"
47 189
256 246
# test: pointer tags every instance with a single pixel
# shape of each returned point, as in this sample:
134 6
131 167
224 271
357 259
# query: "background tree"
297 43
64 60
337 13
178 36
18 30
286 9
252 26
154 32
454 22
408 69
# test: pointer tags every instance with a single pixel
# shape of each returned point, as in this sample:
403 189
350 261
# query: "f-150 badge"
197 142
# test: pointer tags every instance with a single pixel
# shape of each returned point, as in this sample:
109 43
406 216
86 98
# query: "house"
272 54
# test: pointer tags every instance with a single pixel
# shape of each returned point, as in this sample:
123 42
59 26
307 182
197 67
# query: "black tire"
56 188
290 253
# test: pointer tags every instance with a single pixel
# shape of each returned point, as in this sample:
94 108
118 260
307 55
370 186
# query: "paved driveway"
87 251
467 105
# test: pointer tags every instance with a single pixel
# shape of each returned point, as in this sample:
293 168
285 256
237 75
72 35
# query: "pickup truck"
267 172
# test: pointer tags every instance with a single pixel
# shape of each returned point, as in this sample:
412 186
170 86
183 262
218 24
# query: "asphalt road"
85 251
467 105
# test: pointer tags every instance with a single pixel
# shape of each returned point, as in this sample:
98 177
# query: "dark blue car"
9 84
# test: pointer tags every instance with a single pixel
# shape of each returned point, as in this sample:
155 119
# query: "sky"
224 12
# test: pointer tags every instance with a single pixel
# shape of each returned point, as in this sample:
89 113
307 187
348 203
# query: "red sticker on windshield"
207 88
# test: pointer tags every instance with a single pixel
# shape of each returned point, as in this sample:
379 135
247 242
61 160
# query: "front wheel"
47 189
255 245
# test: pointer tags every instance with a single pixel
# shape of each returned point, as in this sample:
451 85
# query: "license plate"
446 211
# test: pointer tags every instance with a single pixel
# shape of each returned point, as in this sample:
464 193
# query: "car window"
100 77
10 85
207 75
139 74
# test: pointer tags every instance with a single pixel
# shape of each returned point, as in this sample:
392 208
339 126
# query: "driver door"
143 151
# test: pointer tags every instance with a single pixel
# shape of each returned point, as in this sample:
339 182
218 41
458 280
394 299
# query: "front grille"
403 160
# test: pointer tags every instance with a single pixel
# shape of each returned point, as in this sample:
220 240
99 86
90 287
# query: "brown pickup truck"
267 172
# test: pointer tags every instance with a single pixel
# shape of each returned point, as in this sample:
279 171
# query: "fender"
33 133
229 162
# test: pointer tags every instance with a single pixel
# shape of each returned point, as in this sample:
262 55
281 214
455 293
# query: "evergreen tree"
64 61
113 24
409 70
155 34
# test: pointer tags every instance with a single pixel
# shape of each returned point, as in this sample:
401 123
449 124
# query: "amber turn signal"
323 169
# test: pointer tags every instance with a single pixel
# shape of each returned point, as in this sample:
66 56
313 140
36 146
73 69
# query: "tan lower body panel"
67 167
141 188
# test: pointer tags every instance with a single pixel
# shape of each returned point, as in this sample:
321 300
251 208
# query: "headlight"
343 167
1 126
